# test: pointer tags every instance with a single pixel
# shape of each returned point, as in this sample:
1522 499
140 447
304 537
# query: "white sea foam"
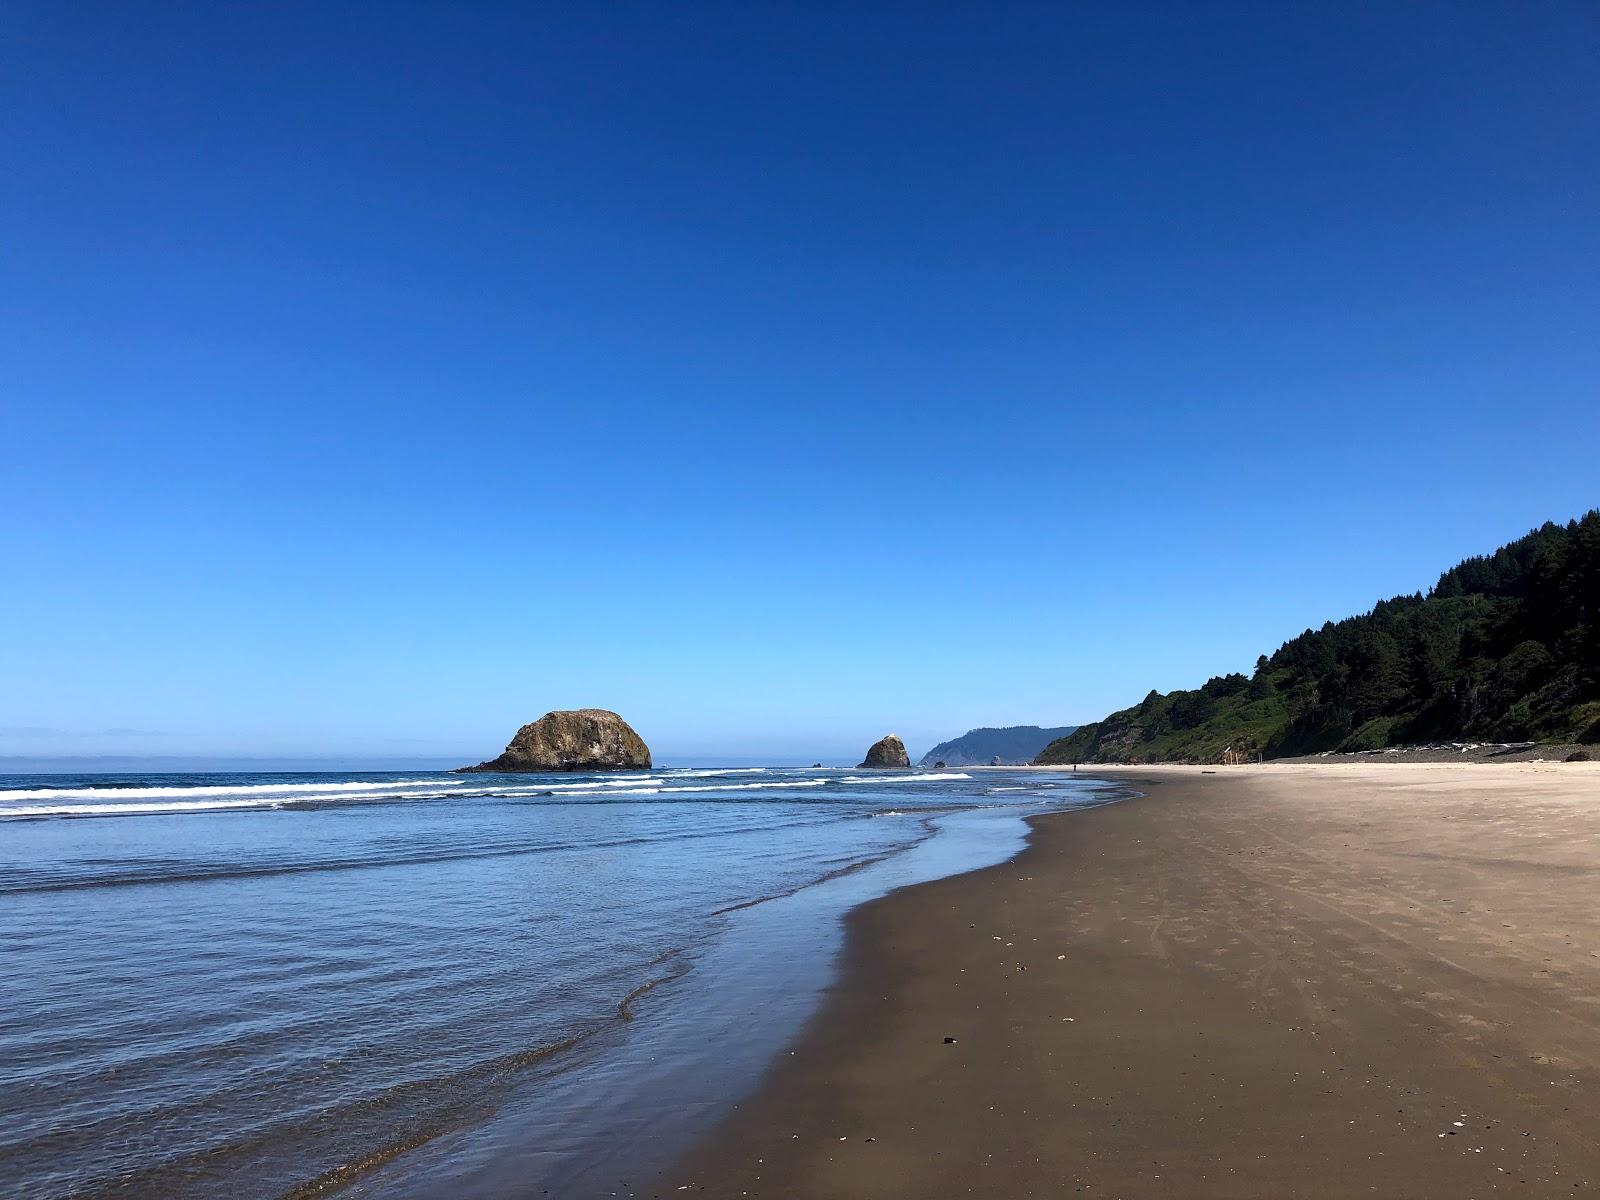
660 791
208 804
905 778
137 801
239 789
528 789
750 787
129 810
696 772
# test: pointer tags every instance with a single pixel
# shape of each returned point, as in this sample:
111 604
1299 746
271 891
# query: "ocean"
423 984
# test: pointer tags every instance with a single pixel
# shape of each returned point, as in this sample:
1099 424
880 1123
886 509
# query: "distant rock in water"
583 739
889 752
939 766
1013 744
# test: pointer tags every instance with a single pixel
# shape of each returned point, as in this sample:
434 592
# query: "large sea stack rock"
890 752
583 739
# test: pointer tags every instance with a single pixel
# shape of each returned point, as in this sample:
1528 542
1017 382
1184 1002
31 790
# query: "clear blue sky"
376 377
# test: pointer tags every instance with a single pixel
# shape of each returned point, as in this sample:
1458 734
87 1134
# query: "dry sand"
1280 981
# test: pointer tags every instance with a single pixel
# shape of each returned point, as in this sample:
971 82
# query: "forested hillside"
1505 647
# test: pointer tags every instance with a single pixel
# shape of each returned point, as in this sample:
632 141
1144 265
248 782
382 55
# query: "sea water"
427 984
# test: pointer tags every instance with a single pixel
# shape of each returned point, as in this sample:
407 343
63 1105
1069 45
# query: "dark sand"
1302 981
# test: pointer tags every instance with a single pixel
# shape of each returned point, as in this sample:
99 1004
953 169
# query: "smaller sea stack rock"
889 752
583 739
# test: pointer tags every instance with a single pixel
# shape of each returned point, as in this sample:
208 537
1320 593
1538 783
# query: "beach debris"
949 1041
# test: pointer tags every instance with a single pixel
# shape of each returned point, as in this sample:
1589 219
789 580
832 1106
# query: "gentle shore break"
1278 981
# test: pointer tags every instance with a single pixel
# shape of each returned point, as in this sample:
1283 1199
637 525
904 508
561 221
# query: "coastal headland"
1304 980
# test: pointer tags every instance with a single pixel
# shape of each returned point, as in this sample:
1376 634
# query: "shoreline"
472 990
1282 980
704 1037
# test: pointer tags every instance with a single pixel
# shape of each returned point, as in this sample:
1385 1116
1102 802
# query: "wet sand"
1279 981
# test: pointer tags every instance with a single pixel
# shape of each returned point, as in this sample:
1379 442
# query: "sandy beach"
1277 981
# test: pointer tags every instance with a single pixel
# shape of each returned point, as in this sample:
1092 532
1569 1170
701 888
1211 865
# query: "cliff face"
584 739
887 752
1115 739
